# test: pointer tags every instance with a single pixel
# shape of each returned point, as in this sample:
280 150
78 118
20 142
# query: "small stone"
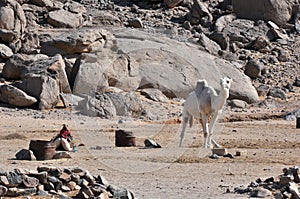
285 180
219 151
72 185
214 156
30 182
3 190
241 153
65 177
135 23
261 193
293 187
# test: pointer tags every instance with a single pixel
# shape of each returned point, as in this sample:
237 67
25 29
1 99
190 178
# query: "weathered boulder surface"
75 41
64 19
100 105
43 87
126 104
154 61
14 96
158 61
278 11
12 23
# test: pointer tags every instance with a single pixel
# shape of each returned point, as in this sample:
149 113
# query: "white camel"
204 103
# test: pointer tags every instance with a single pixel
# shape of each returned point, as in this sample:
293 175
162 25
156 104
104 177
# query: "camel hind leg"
185 120
211 127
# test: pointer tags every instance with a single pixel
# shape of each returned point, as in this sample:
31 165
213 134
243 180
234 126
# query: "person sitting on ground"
64 138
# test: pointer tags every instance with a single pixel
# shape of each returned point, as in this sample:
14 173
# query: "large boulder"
278 11
43 87
154 61
75 41
19 65
173 67
127 104
99 105
64 19
16 97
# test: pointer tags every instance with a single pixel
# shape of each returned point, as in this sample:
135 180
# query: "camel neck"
221 98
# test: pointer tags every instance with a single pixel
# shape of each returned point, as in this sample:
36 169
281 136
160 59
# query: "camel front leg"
211 127
205 130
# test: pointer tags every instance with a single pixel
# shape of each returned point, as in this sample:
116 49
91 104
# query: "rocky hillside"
100 55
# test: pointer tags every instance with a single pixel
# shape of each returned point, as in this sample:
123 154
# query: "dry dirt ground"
168 172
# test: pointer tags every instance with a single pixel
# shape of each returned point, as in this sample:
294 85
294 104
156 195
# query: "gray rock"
209 45
30 182
293 115
277 93
64 19
154 94
3 190
151 143
5 51
15 192
80 41
261 193
14 179
126 105
160 60
25 154
261 42
223 21
254 68
277 11
172 3
16 97
100 106
235 103
199 14
42 87
12 23
221 39
135 23
61 154
14 67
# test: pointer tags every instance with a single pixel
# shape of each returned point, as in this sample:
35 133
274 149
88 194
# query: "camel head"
226 83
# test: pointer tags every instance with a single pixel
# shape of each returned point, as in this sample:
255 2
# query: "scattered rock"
25 154
254 68
151 143
277 93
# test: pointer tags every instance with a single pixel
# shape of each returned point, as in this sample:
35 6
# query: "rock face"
277 11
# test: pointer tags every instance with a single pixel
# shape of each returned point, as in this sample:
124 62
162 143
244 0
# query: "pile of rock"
60 182
285 185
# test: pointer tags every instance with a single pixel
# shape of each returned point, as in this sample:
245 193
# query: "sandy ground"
168 172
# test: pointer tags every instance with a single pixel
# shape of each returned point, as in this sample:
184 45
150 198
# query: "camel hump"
200 86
